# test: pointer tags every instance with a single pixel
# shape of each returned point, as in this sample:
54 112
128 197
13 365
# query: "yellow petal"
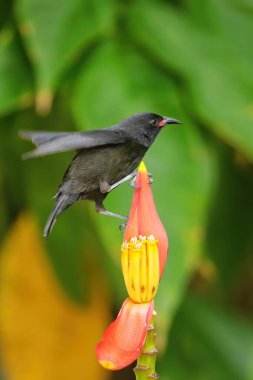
144 273
140 266
153 268
133 285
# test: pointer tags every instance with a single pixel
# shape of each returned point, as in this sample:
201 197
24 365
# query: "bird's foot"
122 226
150 178
133 182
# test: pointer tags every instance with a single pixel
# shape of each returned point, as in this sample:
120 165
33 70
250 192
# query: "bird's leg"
129 176
106 188
100 208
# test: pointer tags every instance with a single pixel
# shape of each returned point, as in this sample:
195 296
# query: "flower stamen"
140 266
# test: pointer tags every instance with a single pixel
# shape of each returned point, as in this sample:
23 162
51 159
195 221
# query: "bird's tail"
63 202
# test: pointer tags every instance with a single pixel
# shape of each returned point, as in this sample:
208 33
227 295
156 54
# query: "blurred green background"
84 64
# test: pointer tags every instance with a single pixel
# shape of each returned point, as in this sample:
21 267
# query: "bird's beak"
168 120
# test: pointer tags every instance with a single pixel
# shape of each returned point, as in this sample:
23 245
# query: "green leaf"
5 16
55 33
107 91
228 240
16 87
207 343
213 59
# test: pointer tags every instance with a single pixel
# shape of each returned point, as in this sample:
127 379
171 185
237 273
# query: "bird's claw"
132 183
122 226
150 178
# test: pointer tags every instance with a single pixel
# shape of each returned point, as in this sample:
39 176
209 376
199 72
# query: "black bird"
105 158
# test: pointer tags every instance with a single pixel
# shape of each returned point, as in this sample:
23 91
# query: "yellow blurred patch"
44 336
107 365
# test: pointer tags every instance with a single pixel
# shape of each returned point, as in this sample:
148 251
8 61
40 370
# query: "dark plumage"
105 158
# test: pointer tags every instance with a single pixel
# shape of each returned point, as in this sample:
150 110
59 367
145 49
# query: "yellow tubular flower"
140 267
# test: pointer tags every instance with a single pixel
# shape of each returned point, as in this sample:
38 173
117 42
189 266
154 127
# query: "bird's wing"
56 142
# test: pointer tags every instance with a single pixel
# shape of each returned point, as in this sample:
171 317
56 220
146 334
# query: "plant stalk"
145 368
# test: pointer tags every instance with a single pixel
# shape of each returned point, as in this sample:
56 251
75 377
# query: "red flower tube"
123 340
143 218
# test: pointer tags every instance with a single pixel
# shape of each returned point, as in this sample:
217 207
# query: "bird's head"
147 125
152 120
157 121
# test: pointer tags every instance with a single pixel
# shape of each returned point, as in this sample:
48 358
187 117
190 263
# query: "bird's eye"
153 122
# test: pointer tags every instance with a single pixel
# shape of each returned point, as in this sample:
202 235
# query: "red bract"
143 218
123 340
143 257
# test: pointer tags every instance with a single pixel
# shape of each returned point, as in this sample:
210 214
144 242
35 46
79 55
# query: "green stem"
145 368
